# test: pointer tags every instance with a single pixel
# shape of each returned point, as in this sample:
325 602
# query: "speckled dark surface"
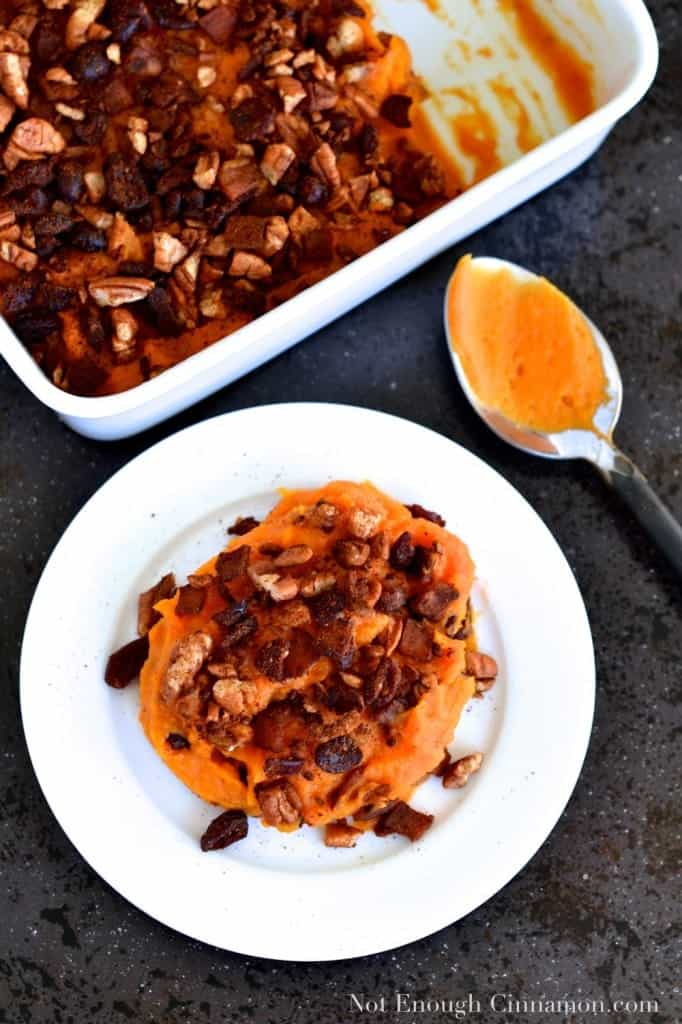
593 914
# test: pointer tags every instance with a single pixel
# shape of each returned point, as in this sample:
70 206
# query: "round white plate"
277 895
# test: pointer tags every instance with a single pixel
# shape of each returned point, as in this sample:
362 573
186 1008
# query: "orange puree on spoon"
526 349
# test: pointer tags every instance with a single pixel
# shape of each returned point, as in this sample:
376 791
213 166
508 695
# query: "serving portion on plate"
126 808
315 670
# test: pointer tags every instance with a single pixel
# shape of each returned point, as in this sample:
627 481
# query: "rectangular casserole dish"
616 36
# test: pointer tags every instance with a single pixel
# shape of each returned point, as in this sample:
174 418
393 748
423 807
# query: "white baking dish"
618 38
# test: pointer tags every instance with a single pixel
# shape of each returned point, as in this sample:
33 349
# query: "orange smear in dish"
525 348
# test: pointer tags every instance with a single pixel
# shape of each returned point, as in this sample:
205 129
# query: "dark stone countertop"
593 914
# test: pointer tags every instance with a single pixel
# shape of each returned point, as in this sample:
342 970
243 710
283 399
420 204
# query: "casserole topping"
170 170
302 685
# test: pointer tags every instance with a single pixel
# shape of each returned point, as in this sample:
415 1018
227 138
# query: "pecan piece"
84 14
14 67
189 654
22 259
291 92
146 615
405 821
240 178
338 755
271 659
237 696
7 109
362 523
277 159
457 774
117 291
433 602
206 169
168 251
351 554
125 330
299 554
380 689
279 802
32 139
247 264
126 663
416 641
228 828
323 164
339 834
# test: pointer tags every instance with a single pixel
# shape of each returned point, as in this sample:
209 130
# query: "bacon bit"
233 563
191 600
176 741
416 641
242 525
458 774
339 834
126 663
405 821
240 178
246 264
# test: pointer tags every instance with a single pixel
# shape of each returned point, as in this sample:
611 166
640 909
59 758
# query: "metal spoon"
596 446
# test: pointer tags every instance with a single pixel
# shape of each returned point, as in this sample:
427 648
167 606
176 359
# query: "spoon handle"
635 490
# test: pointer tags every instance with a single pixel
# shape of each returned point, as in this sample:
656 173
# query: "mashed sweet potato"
315 670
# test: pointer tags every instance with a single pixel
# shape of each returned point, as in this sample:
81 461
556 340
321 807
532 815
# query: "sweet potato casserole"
313 672
171 169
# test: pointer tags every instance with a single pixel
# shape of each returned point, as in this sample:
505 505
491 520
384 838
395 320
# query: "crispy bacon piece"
126 663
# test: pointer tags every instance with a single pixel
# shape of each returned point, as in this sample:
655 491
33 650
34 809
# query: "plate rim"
310 408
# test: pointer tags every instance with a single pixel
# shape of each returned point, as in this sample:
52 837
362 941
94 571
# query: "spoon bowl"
595 445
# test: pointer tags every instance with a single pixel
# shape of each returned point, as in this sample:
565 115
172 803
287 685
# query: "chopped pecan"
240 178
116 291
416 641
290 614
323 163
380 689
22 259
206 169
301 224
347 38
283 765
299 554
433 602
191 600
339 834
32 139
84 14
380 200
125 331
188 655
350 553
271 659
14 67
277 159
236 696
137 134
419 512
247 264
364 590
276 235
228 828
219 23
126 664
405 821
279 588
338 755
362 523
168 251
7 109
392 635
291 92
279 802
317 584
458 773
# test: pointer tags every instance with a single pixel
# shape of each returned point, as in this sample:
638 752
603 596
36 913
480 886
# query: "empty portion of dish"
314 672
170 170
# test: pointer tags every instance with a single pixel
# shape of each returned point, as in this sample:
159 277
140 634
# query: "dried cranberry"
402 551
176 741
419 512
342 698
128 17
91 131
169 15
47 40
33 202
228 828
162 312
70 180
93 327
90 63
38 172
312 191
338 755
229 616
88 238
282 724
393 596
396 109
53 224
19 296
35 325
125 664
239 632
54 297
243 525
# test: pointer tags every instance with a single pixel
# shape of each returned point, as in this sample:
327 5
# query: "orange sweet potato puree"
425 730
525 348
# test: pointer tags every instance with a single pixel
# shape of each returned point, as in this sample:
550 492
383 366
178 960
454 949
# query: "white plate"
287 896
